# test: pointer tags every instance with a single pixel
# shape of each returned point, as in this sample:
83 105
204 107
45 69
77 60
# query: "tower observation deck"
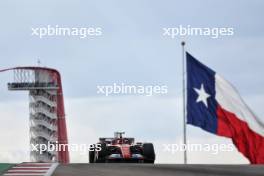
46 110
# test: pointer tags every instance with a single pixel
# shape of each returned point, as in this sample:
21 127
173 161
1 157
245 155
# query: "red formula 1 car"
122 149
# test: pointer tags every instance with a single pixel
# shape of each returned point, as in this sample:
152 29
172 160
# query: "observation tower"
46 110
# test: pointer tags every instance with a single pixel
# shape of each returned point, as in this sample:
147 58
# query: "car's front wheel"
91 156
101 157
148 153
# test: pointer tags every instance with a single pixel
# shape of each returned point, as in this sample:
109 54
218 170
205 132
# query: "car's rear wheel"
148 153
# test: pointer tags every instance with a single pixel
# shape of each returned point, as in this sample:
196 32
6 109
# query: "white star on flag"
202 95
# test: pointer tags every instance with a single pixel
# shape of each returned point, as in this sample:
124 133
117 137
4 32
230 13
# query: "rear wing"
110 139
106 140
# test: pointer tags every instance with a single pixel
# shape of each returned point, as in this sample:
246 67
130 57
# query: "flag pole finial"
183 43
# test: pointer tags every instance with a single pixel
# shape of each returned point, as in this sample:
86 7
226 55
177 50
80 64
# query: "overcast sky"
131 50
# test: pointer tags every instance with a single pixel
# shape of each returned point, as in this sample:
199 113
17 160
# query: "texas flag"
214 105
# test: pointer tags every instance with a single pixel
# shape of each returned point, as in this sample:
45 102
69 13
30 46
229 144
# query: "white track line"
11 170
19 174
52 169
24 167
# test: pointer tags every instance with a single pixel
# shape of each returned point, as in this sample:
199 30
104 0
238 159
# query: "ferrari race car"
122 149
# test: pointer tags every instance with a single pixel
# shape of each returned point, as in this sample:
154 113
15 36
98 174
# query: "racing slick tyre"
148 153
91 156
102 154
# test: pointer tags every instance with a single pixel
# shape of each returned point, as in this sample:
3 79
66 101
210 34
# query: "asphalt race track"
157 170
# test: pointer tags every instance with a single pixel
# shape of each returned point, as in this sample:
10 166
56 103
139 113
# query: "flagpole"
184 101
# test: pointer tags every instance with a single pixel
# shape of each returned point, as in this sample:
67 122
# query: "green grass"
4 167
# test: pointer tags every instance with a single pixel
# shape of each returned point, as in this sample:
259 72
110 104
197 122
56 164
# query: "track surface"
157 170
